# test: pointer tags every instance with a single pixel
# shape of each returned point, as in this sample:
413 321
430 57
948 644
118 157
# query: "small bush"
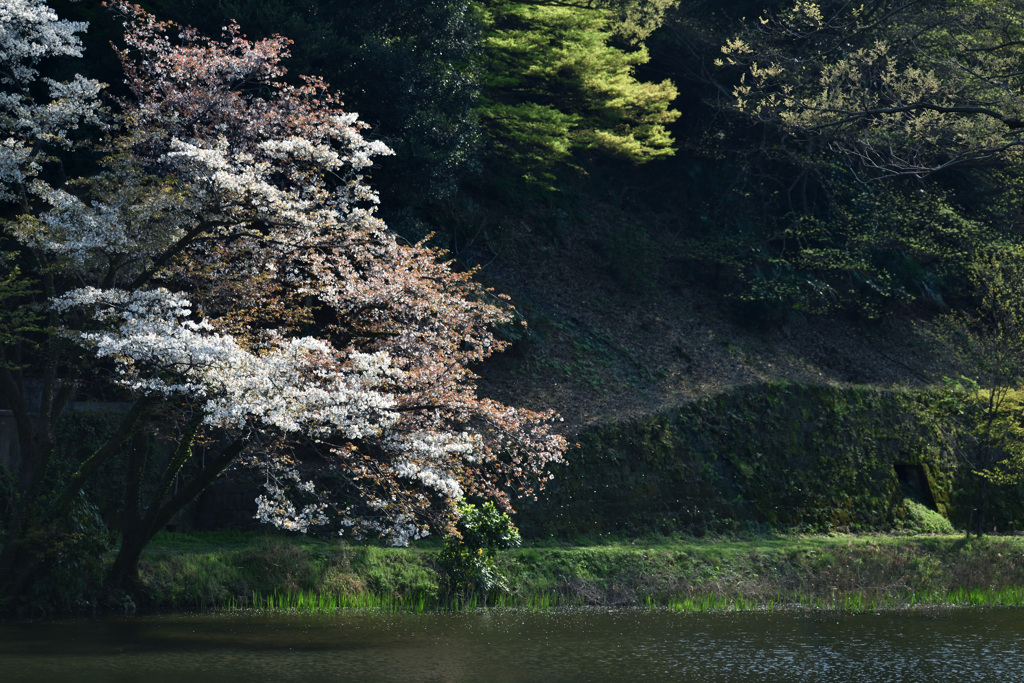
466 562
70 573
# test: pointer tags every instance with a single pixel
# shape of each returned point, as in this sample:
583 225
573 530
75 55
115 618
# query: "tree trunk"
982 495
17 562
123 577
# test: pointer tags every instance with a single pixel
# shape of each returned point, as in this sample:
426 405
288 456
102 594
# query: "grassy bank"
856 573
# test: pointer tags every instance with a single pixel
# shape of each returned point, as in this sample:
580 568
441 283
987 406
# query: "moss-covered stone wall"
762 456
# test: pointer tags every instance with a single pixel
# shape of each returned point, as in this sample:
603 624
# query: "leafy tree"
984 408
828 204
223 270
553 85
900 86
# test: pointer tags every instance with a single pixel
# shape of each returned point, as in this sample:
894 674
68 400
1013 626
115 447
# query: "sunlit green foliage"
899 87
554 85
922 519
849 573
467 561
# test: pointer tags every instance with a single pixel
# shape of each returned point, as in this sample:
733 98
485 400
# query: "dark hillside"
621 325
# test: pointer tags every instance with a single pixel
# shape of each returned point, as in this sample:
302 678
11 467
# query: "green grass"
320 603
853 603
851 573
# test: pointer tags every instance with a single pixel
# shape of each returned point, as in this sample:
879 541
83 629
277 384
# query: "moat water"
496 646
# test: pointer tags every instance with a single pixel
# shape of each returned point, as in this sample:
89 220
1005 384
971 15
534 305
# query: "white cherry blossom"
29 32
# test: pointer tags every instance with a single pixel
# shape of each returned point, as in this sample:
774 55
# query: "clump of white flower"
429 477
29 32
293 386
74 229
303 150
241 181
15 167
397 526
275 508
427 457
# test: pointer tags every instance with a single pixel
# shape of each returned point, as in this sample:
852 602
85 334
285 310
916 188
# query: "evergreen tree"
553 84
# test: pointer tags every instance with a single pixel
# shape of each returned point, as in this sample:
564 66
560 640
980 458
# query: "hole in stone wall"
915 485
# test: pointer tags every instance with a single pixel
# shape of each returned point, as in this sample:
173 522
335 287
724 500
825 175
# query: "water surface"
496 646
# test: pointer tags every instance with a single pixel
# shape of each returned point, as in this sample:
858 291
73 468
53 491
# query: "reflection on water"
586 645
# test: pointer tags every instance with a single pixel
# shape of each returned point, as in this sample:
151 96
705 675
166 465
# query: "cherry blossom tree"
222 268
